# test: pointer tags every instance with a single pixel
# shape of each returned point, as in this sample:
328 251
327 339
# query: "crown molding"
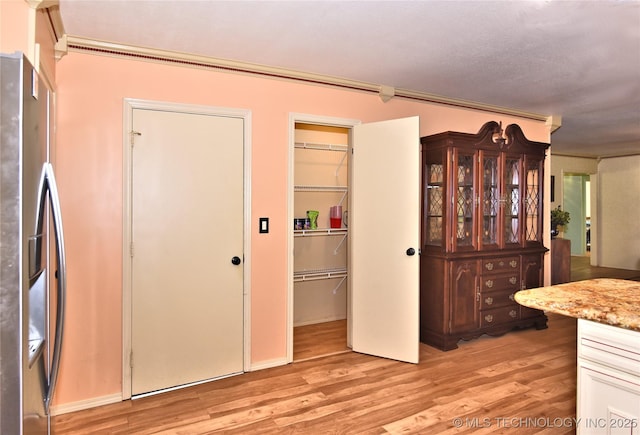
61 47
106 48
53 11
554 122
75 43
614 156
41 4
386 93
592 157
573 155
467 104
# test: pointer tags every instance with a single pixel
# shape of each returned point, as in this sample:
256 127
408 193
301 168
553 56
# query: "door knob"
236 260
411 252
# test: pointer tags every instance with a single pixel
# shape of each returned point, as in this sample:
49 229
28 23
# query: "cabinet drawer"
502 264
498 316
491 283
608 345
489 300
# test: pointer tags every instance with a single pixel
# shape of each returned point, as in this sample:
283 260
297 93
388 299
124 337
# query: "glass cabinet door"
532 201
483 199
489 202
464 200
434 205
511 201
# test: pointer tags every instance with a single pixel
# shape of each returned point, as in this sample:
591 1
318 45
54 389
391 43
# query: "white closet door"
187 220
384 226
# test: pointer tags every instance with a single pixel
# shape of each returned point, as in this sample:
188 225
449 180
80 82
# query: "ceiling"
576 59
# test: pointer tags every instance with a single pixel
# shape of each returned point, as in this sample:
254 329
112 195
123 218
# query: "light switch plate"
264 225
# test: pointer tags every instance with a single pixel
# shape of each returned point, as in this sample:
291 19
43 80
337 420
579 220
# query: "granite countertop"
612 301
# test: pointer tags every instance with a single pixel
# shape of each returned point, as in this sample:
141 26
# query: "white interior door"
384 225
187 225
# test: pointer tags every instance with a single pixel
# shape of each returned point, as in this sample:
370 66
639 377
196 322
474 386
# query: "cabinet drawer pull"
513 280
513 313
489 283
513 263
489 266
488 318
489 300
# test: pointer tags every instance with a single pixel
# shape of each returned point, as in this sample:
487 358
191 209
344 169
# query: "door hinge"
131 359
131 250
133 134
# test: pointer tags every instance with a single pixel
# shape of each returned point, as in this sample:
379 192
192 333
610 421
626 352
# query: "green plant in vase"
559 218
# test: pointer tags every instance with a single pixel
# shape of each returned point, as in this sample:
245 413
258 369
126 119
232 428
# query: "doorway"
320 247
185 270
379 268
576 200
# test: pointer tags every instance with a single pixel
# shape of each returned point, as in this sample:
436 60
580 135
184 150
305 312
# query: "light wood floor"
523 382
525 374
332 337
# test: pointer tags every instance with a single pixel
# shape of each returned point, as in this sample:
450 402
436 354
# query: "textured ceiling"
576 59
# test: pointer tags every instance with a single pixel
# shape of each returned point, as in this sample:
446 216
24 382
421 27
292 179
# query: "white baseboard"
268 364
66 408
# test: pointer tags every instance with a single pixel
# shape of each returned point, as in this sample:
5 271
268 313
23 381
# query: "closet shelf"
317 274
322 146
320 232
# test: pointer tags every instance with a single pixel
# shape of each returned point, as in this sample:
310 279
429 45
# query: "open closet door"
384 226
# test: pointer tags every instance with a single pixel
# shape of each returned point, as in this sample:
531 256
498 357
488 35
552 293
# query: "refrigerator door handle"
48 185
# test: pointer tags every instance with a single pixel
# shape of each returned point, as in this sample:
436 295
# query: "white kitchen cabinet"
608 399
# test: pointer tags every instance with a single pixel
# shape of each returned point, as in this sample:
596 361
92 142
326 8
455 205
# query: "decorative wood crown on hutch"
482 226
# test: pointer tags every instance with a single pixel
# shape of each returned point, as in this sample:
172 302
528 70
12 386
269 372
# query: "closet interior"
320 234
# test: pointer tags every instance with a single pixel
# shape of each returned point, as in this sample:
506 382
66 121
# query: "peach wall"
14 26
91 90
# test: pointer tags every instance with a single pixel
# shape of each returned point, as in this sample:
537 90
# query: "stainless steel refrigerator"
32 268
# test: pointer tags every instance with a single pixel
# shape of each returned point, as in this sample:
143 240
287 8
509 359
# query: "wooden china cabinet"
481 233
